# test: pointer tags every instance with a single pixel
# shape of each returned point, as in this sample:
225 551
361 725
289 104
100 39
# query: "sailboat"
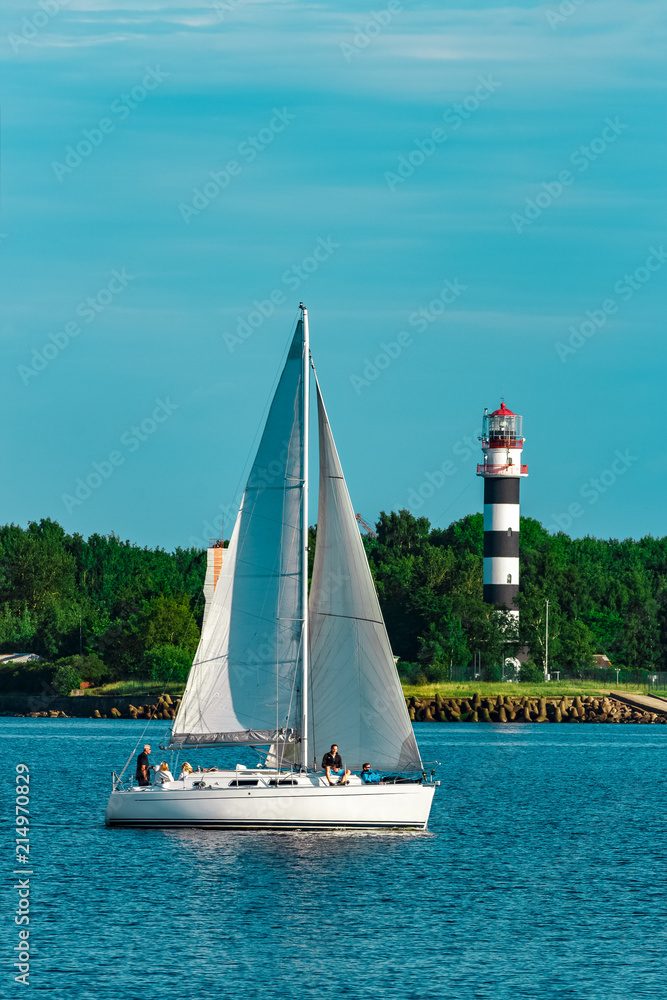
292 671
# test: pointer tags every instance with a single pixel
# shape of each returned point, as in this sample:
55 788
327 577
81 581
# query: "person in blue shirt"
370 777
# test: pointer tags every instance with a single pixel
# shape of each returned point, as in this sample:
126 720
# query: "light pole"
546 647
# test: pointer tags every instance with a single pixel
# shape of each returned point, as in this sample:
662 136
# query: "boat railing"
428 772
272 779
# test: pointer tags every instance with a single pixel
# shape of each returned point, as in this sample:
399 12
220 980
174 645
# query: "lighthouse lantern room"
502 445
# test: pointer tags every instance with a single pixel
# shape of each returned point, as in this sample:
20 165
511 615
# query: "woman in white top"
163 774
186 770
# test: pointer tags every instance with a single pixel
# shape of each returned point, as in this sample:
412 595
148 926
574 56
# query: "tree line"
101 609
98 610
605 597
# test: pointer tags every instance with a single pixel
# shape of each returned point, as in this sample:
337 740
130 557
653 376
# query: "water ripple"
539 877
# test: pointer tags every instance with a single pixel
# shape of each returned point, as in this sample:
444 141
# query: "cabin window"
509 577
244 781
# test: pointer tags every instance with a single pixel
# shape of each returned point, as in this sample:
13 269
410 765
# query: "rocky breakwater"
89 707
164 708
504 708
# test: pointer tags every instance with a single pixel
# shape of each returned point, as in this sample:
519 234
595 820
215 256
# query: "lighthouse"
502 471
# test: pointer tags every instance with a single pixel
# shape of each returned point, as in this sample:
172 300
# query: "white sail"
356 697
243 686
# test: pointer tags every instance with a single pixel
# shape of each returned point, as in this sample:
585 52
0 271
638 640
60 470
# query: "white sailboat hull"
281 666
307 805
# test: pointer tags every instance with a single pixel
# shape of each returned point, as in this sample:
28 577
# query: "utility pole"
546 647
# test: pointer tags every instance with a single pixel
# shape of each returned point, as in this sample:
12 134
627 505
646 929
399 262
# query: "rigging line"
296 485
151 718
256 572
148 721
457 498
354 618
312 712
261 618
293 687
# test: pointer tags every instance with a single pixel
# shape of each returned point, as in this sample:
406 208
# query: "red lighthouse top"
502 429
502 443
503 411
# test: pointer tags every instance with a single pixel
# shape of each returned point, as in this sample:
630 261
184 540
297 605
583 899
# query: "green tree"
66 679
35 566
401 532
168 664
576 645
168 620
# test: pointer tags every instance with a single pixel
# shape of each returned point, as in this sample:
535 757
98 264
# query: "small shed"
7 659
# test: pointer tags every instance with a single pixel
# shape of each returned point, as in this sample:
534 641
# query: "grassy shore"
124 689
553 689
453 689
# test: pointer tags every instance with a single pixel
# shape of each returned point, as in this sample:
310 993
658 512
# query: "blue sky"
418 150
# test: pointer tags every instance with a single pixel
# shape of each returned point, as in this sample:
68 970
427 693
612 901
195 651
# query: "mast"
304 544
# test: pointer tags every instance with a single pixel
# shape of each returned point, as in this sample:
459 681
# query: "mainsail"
244 682
355 694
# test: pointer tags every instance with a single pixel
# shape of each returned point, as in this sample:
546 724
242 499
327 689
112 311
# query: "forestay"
356 696
243 686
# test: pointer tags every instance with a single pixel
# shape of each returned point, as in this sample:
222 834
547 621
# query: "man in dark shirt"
143 767
333 765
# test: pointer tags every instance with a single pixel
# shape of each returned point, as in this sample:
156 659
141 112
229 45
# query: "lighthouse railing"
496 470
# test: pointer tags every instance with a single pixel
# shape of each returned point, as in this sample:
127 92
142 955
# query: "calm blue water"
542 875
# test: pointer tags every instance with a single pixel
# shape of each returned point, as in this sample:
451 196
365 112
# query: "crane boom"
365 526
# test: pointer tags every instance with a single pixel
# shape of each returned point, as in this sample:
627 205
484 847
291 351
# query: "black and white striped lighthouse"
502 471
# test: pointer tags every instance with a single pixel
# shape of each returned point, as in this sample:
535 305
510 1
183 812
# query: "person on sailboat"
143 767
333 764
186 770
370 777
163 774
